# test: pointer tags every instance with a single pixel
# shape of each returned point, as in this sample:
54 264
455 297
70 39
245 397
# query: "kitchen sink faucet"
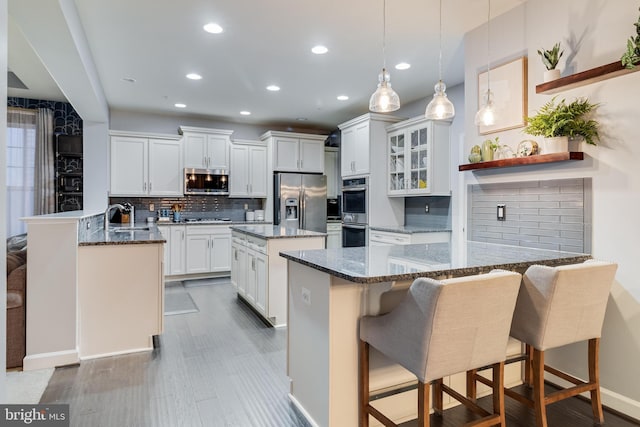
107 212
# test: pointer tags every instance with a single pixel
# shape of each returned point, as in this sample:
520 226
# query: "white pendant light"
384 99
440 107
486 116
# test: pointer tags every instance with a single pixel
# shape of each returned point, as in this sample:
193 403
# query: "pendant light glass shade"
384 99
440 107
486 116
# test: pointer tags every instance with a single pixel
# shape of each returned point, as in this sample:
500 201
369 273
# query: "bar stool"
441 328
555 307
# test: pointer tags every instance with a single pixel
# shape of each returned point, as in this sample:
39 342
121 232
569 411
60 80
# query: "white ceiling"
264 42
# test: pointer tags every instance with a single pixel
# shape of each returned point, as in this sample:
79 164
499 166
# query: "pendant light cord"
384 35
489 48
440 57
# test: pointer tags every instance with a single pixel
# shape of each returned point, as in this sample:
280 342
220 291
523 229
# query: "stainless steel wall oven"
355 219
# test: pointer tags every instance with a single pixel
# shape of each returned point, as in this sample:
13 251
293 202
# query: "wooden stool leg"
472 389
423 404
437 396
594 377
527 365
540 408
363 386
498 392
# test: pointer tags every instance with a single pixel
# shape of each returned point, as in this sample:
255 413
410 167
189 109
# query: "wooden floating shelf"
584 78
529 160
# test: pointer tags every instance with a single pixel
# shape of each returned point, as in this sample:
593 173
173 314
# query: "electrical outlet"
306 296
246 206
152 207
426 208
88 225
500 214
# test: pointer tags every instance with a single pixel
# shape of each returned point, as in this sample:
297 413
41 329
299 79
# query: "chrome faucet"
107 212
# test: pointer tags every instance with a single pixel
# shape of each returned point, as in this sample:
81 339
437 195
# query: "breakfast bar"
329 290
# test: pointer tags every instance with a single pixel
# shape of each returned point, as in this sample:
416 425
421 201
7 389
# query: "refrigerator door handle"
303 208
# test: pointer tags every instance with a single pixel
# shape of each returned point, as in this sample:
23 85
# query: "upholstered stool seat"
441 328
557 306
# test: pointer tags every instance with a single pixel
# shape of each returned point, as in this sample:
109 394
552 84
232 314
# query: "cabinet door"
177 250
311 156
128 166
286 155
250 291
220 252
239 171
347 146
235 264
217 152
331 171
396 164
195 150
361 149
166 233
241 272
419 160
258 171
198 253
261 266
165 168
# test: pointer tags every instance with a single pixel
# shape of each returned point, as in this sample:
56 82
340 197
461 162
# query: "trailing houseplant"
550 60
631 56
566 121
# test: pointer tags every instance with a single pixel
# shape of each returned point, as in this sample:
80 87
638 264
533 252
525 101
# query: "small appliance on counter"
164 215
249 216
259 215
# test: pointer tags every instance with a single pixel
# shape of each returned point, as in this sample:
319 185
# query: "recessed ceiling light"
213 28
129 79
245 113
273 88
179 105
403 66
194 76
342 97
319 50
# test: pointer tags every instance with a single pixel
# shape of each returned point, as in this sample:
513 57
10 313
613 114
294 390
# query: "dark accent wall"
65 119
439 214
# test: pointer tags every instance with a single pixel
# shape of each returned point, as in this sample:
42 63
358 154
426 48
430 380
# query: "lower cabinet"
378 237
334 235
208 249
174 249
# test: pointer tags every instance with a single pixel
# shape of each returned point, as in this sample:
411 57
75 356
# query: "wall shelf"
519 161
584 78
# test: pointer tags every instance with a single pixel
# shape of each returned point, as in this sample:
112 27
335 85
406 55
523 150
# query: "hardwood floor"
221 366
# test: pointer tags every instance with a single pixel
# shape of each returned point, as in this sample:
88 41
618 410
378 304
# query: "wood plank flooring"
222 366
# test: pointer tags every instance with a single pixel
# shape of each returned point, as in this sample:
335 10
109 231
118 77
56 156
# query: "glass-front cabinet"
418 158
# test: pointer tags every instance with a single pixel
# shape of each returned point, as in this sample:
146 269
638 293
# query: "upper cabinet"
145 165
206 148
248 169
296 152
358 137
331 171
418 153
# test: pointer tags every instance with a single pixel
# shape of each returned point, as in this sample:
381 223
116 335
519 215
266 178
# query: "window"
21 142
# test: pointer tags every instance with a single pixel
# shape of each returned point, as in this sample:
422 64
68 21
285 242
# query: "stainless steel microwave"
214 182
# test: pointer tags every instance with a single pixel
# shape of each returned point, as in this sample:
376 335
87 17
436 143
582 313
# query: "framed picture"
509 89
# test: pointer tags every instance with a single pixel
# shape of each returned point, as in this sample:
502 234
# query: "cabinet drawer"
391 238
207 229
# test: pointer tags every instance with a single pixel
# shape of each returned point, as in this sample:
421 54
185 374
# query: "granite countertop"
133 237
275 231
409 229
374 264
211 222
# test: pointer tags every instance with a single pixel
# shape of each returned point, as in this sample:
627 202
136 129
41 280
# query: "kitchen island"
259 273
329 290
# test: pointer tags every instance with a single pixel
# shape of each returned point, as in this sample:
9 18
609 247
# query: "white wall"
3 194
96 155
593 33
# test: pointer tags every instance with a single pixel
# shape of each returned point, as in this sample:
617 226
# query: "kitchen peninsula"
329 290
259 273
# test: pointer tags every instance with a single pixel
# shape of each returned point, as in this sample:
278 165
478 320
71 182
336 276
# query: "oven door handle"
353 189
358 227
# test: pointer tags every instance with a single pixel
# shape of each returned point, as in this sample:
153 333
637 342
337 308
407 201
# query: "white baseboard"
302 411
50 360
116 353
610 399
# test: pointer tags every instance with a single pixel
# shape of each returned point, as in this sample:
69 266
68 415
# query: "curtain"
44 178
21 139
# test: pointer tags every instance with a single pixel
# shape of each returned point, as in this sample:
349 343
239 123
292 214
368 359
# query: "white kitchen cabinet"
354 143
379 237
208 249
248 170
239 263
295 152
334 235
256 273
418 153
331 171
206 148
177 250
143 165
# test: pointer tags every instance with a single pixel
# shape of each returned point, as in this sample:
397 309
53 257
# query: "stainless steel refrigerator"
300 201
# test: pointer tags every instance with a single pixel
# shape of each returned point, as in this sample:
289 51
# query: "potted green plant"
559 122
631 56
550 60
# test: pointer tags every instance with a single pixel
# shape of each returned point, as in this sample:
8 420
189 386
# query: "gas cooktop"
207 220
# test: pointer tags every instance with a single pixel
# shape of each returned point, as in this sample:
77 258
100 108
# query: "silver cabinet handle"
247 188
144 186
149 187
